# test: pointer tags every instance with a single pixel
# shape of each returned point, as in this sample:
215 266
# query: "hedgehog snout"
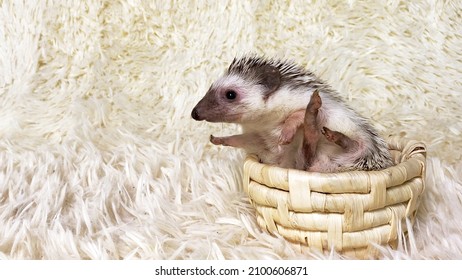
195 115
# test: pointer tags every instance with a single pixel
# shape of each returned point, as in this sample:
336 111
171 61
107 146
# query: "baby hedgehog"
290 118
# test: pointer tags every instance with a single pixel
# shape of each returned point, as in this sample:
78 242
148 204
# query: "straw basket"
346 211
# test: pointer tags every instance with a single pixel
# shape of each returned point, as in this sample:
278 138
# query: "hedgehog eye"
231 94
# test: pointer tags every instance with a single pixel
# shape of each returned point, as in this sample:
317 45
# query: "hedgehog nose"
195 115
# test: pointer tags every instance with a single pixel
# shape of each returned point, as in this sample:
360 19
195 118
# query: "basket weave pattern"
347 211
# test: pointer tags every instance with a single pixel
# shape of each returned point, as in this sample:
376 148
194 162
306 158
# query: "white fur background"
99 158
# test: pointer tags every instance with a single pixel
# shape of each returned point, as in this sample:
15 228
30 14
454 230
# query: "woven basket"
346 211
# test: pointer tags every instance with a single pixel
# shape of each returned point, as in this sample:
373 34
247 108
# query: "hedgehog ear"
270 77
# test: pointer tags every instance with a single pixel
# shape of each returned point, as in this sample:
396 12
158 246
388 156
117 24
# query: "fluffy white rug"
99 158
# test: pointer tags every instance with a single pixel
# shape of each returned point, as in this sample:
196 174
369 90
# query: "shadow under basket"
345 211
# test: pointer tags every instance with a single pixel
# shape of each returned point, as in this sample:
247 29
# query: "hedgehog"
290 118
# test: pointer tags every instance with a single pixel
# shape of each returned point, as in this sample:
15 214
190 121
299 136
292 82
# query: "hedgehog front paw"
223 141
340 139
287 135
329 134
315 103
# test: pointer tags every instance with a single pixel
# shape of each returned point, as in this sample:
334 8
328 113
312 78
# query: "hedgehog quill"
290 118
